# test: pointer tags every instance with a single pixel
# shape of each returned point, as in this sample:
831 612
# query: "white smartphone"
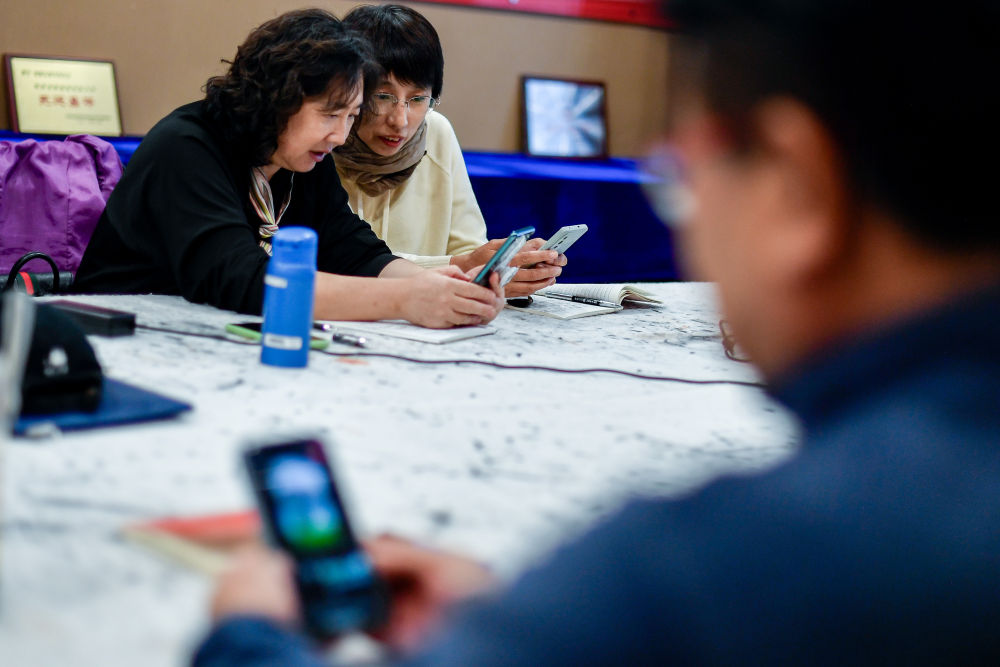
564 238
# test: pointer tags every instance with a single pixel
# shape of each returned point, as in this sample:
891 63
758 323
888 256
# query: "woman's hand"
477 257
539 268
422 583
446 297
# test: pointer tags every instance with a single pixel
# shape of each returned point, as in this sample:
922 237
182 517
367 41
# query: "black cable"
190 333
480 362
24 259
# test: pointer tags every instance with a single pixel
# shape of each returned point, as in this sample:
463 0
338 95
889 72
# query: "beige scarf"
263 203
375 173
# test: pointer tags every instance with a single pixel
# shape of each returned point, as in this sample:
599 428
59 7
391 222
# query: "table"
500 464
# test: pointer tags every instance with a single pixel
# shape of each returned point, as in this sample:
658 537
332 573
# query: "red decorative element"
639 12
29 287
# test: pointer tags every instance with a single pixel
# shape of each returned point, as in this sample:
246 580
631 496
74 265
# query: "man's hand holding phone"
422 585
258 582
304 515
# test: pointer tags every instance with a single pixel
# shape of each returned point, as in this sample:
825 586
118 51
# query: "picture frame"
564 118
62 95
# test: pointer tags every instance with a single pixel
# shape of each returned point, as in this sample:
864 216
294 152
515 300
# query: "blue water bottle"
288 298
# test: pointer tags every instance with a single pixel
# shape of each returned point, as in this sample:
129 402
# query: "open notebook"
566 302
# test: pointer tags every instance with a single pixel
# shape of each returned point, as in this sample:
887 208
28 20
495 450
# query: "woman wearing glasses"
402 166
211 183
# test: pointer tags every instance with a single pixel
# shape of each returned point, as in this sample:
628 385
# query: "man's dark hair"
405 43
298 55
904 88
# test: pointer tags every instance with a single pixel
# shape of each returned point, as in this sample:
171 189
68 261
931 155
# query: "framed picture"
564 118
62 95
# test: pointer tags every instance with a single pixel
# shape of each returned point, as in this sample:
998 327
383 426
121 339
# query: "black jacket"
180 221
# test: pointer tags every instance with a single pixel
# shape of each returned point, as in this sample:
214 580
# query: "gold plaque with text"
62 96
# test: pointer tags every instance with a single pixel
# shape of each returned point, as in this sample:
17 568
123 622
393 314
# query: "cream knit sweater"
433 214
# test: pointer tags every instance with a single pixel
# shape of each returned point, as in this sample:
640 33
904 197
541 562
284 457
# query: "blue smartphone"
500 260
303 513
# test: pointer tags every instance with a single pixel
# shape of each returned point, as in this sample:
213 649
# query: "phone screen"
305 516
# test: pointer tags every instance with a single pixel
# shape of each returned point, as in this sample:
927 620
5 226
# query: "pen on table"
349 339
337 337
581 299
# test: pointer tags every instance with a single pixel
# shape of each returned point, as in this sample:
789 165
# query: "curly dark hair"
298 55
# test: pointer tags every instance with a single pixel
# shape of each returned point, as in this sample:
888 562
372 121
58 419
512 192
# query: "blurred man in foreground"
856 250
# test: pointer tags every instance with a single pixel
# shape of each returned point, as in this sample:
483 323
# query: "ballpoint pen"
581 299
343 338
349 339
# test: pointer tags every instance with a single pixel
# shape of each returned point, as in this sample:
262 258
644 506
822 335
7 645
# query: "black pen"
349 339
342 338
581 299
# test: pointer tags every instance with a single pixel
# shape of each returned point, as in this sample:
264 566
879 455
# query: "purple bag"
51 195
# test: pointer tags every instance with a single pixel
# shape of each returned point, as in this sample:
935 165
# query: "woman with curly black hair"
210 184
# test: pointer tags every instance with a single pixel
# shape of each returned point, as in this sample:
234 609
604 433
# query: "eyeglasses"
667 188
383 103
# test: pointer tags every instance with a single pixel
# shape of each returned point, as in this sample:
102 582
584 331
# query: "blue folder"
121 403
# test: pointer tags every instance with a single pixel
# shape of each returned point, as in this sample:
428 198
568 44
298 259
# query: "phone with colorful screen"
303 513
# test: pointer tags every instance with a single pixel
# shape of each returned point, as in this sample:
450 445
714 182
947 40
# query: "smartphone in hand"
303 514
500 261
564 238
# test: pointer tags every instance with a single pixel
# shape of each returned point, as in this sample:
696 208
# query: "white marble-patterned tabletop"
499 463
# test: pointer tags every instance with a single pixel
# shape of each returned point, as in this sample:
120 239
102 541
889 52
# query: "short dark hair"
298 55
405 43
903 87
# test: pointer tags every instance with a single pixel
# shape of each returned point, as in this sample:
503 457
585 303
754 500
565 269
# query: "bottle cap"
295 245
